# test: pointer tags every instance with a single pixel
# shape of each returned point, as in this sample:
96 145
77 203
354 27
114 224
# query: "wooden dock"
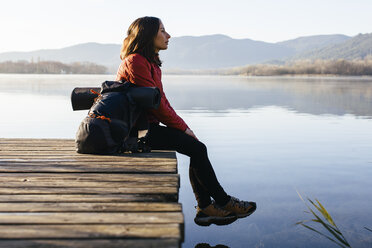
50 196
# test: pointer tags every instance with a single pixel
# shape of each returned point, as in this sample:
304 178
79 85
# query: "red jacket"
138 70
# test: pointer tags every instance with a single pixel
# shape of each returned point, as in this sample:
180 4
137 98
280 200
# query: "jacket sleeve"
139 73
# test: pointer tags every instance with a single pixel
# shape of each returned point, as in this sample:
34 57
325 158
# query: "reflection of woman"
141 66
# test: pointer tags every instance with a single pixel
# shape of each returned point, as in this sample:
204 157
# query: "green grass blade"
322 234
328 217
325 225
325 213
313 220
304 221
331 228
298 193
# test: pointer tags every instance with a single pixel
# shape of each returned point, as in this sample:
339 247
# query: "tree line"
339 67
51 67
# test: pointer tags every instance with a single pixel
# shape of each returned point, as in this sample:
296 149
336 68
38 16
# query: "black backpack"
115 119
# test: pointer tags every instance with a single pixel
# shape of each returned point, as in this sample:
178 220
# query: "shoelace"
239 203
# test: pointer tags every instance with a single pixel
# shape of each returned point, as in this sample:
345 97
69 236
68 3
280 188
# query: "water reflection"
335 96
312 95
205 245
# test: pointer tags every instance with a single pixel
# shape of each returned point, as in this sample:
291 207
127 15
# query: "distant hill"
219 51
357 47
212 51
307 43
102 54
51 67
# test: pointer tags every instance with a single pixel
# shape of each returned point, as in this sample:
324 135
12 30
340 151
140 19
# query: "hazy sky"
27 25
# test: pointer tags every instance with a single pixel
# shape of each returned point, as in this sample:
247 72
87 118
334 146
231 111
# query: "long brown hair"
140 39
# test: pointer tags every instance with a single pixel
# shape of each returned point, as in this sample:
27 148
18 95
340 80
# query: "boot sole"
207 221
247 214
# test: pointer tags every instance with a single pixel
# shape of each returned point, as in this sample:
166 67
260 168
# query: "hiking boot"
240 208
212 214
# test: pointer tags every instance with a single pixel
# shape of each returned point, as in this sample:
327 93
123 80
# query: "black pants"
202 177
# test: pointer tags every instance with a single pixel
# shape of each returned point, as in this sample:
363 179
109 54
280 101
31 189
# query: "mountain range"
213 51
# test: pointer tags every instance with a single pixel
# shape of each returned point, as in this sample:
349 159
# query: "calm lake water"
266 136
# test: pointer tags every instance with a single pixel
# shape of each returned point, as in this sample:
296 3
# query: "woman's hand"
188 131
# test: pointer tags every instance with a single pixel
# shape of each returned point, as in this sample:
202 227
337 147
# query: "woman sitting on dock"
141 66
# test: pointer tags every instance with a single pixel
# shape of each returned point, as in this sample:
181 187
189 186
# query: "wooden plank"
41 143
35 146
67 156
41 156
25 156
90 231
32 140
90 207
130 168
72 160
38 148
48 152
91 163
86 160
108 177
35 139
90 218
91 243
89 198
91 190
153 154
82 184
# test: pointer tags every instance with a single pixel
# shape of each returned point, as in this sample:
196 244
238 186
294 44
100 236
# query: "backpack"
116 117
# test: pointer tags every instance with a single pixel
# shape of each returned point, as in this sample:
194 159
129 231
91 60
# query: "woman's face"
161 39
